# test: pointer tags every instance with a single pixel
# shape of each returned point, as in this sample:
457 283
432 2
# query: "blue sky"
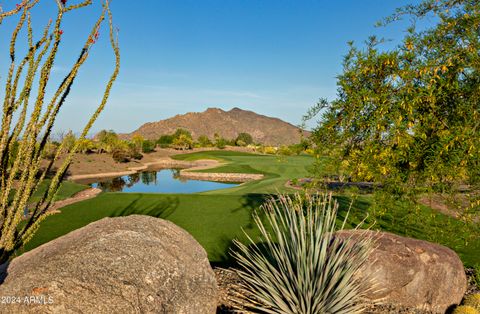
275 57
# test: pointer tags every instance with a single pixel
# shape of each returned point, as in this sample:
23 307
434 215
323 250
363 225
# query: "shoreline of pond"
187 171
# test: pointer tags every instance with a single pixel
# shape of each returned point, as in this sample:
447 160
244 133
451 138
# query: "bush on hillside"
220 142
148 146
165 141
86 146
121 156
285 151
204 141
243 139
183 142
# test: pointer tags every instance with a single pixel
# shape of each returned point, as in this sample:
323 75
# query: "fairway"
277 169
215 218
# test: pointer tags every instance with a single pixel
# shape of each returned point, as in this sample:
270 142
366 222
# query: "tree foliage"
165 141
204 141
243 139
410 117
107 140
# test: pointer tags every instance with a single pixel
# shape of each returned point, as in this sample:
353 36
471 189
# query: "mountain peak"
228 124
213 109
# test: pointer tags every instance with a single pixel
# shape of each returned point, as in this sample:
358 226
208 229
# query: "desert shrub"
310 151
240 143
204 141
299 148
108 141
136 155
473 300
300 267
137 140
165 141
148 146
465 309
285 151
243 139
179 132
121 156
85 146
182 142
220 142
268 150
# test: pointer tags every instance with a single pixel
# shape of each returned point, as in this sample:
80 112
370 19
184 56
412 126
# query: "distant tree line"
123 150
183 139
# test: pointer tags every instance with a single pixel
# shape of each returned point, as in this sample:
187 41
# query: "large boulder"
412 273
134 264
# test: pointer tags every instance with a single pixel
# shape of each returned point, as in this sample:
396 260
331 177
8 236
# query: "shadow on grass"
251 203
160 209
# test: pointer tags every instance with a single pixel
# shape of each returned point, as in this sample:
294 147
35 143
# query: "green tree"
148 146
184 132
107 141
20 179
85 146
182 142
137 140
243 139
182 139
165 141
204 141
219 141
409 117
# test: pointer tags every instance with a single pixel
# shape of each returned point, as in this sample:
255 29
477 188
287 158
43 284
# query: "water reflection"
163 181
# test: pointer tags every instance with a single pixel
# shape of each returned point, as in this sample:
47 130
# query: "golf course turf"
215 218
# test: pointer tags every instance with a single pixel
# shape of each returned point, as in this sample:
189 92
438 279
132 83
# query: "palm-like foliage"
300 266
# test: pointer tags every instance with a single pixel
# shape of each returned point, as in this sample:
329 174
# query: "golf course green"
215 218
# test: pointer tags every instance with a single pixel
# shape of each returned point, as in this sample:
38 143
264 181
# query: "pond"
162 181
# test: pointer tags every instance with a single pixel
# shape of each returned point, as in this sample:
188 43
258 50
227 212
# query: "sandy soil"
80 196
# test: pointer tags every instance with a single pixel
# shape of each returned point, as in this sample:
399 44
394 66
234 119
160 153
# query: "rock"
413 273
134 264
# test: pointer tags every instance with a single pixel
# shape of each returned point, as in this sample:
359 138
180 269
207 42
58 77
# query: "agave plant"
299 266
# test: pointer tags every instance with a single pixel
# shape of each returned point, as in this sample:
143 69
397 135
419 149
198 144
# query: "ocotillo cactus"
23 139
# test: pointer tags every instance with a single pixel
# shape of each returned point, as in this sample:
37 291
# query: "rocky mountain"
228 124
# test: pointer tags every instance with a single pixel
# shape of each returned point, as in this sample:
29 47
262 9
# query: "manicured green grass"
66 190
422 223
213 154
277 169
216 218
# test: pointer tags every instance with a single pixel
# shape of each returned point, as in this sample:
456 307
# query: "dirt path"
80 196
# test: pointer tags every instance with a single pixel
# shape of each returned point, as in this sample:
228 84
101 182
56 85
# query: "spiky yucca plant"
299 266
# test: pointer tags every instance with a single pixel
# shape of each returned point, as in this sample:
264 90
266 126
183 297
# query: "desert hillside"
228 124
